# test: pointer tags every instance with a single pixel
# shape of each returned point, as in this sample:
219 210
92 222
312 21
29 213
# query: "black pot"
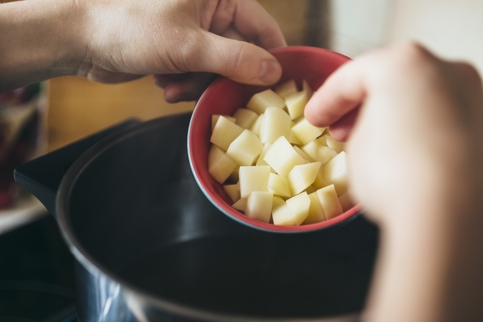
150 246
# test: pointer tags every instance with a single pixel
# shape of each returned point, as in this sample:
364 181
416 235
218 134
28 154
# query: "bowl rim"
220 203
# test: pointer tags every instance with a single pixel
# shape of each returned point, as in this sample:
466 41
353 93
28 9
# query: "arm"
37 42
114 41
414 125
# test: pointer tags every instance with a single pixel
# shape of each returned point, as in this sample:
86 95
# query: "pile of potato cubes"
274 165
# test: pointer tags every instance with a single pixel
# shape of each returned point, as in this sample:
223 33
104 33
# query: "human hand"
413 123
414 127
176 39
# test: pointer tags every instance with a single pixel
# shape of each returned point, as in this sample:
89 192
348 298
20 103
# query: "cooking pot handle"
42 176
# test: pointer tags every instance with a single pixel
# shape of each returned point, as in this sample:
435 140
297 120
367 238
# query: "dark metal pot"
151 247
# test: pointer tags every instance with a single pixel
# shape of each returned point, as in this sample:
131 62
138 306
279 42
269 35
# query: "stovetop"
36 274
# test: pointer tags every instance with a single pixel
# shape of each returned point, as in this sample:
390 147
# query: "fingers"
227 48
341 93
241 61
250 20
183 87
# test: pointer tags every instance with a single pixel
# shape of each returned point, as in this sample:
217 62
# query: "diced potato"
274 165
245 117
281 215
253 179
316 213
268 98
302 176
304 155
224 133
259 206
220 166
321 140
292 138
319 152
311 189
279 185
346 201
287 88
319 181
329 201
276 123
277 202
234 175
214 119
305 131
260 160
306 87
241 204
335 172
233 191
282 157
294 212
257 125
245 149
296 104
334 144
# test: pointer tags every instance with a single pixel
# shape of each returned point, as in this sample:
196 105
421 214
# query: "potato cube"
234 175
214 119
245 117
259 206
334 144
245 149
296 104
220 166
257 125
319 152
260 160
268 98
282 157
276 123
316 213
304 155
292 138
346 201
279 185
241 204
286 89
302 176
305 131
281 215
277 202
233 191
253 179
329 201
319 181
335 172
321 140
294 212
224 133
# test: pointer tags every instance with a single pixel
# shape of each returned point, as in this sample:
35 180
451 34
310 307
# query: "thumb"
238 60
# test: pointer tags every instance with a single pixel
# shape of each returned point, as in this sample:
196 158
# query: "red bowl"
224 96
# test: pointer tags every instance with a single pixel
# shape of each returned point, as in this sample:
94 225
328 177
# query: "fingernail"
270 71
